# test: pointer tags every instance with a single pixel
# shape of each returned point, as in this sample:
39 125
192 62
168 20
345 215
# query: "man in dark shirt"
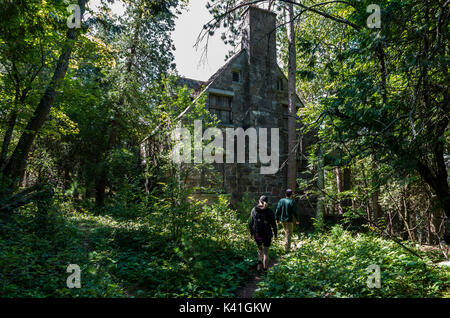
286 212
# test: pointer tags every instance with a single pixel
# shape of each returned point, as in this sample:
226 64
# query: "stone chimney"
259 35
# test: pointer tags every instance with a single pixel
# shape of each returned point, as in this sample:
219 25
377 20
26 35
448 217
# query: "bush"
245 206
335 266
121 253
34 258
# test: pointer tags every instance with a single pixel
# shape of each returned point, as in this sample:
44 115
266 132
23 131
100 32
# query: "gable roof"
223 68
190 83
206 85
202 87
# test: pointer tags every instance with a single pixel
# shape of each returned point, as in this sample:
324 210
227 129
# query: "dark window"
236 76
221 106
280 84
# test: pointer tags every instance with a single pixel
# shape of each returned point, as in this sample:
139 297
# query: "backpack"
261 226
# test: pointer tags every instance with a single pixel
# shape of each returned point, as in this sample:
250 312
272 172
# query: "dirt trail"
248 290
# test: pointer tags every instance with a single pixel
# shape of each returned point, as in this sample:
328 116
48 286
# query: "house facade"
250 90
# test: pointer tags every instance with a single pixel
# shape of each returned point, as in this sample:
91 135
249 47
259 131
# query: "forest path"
248 290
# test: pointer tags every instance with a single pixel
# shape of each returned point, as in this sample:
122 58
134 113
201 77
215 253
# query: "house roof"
223 68
190 83
201 87
206 85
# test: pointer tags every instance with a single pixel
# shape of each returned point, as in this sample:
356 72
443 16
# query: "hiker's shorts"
263 241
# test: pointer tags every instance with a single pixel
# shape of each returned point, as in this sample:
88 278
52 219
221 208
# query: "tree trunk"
347 185
343 179
8 136
17 163
292 66
437 226
340 188
405 213
438 183
435 173
100 187
19 99
376 207
320 185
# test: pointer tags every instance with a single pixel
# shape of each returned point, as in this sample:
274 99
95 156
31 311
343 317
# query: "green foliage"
370 95
334 265
127 254
245 206
119 88
209 256
34 259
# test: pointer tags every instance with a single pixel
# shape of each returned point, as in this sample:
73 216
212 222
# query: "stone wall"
260 102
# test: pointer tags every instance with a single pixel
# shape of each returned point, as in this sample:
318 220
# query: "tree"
110 96
15 166
389 113
146 41
292 100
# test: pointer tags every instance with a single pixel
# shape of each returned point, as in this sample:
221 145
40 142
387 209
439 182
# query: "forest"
82 89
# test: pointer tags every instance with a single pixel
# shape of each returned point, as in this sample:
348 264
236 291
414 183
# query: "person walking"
262 228
286 212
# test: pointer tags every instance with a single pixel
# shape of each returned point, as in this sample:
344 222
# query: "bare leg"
260 257
266 257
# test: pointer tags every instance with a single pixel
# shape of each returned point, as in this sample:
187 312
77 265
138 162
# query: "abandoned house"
250 90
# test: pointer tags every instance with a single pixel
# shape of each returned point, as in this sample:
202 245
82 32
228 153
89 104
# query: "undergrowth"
335 265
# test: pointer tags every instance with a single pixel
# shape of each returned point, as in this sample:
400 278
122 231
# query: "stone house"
250 90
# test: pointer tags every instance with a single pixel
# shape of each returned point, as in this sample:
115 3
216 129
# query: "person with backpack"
286 212
262 229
